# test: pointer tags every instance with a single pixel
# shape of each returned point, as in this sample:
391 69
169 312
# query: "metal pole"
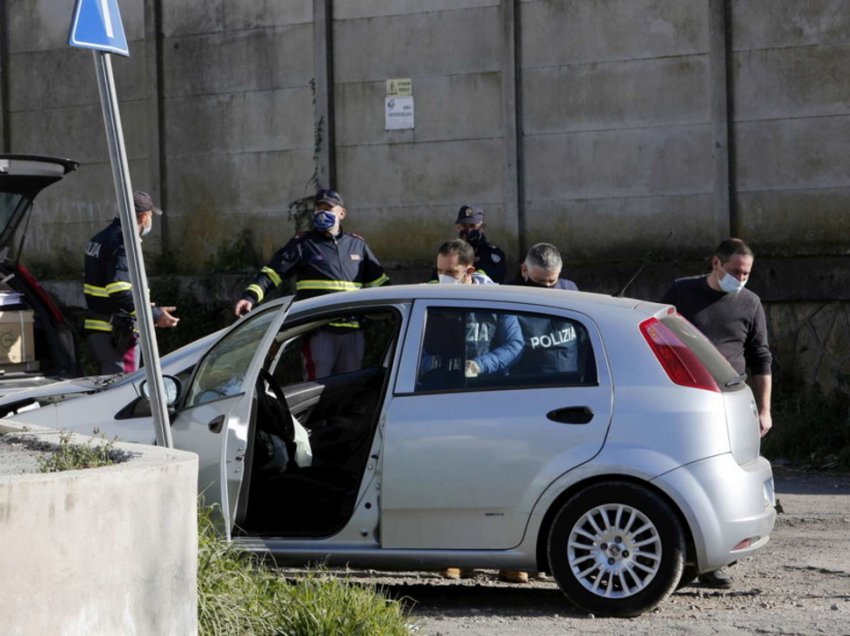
133 245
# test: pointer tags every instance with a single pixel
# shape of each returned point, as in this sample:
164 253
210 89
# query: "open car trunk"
36 341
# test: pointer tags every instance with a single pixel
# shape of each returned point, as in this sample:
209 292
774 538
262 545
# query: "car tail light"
681 364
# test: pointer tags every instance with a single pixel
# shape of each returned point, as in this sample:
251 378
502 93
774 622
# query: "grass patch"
239 594
68 456
810 431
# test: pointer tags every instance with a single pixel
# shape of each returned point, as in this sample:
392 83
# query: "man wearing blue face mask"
732 317
323 260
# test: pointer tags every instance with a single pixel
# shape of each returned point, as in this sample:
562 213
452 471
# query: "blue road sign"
97 25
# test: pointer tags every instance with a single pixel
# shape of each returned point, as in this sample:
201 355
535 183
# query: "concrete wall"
109 550
791 124
616 113
600 125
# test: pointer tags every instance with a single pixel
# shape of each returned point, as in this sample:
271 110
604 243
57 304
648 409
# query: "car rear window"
719 368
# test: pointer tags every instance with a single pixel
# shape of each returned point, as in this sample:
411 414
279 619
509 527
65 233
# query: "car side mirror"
172 388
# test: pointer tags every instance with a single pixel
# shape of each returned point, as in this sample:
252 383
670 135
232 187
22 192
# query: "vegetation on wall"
810 431
69 456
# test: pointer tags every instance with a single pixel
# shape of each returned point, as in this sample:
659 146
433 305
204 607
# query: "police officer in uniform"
488 257
109 324
323 260
551 345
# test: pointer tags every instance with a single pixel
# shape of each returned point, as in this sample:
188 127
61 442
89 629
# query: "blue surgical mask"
730 284
324 220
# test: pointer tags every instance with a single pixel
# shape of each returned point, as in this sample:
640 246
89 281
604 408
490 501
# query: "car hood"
171 364
64 388
22 177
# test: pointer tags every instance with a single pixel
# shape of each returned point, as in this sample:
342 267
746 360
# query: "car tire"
689 575
616 549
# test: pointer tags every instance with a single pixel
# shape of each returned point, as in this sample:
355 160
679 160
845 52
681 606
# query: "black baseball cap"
142 202
331 197
470 215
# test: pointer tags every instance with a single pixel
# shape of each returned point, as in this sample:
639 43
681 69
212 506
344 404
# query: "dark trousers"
109 360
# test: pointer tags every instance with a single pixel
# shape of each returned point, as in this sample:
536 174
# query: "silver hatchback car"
603 440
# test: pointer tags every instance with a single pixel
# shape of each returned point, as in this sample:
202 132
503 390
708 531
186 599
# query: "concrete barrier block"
109 550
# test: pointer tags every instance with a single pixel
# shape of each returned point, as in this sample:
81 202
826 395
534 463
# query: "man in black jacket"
489 258
111 315
324 260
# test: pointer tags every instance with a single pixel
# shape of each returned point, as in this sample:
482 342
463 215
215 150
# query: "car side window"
465 349
334 346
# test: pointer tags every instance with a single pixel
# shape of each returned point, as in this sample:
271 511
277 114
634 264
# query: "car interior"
290 492
443 361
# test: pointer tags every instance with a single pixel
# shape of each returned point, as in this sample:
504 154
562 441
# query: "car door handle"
216 424
571 415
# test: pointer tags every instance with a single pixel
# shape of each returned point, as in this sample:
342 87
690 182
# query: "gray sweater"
734 323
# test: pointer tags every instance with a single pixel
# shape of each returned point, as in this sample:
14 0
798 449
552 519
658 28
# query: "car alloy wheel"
616 549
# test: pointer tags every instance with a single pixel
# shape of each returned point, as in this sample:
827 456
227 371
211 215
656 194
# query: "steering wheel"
282 418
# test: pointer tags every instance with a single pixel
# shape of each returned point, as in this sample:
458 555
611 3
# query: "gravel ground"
799 584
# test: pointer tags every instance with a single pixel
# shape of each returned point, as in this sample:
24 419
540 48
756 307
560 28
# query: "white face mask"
730 284
445 279
147 226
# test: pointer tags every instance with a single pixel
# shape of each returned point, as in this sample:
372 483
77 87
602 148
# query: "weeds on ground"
810 431
68 456
239 594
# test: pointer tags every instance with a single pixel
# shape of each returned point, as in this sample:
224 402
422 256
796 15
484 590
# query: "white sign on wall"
398 113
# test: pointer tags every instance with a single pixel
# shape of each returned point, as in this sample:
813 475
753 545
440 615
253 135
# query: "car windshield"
223 370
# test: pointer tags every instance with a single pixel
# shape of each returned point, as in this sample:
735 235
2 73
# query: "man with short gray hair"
542 268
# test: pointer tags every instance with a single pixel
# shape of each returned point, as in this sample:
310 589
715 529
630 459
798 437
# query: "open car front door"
216 417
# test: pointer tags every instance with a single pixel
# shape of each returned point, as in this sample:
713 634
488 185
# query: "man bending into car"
492 342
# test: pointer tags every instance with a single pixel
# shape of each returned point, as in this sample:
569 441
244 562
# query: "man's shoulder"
690 282
110 235
566 283
495 252
480 278
749 296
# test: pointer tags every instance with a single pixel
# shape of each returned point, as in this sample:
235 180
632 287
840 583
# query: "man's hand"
472 369
242 307
762 388
765 423
165 319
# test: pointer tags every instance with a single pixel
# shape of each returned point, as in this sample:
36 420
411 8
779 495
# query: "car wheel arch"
558 502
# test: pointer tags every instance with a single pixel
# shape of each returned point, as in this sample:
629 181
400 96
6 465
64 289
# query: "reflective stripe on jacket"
321 265
106 287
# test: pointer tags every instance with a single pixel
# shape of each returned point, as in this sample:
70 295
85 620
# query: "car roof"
578 301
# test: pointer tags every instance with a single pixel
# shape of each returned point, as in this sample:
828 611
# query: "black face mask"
472 236
530 283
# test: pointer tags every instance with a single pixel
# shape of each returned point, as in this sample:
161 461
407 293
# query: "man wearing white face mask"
732 317
110 316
